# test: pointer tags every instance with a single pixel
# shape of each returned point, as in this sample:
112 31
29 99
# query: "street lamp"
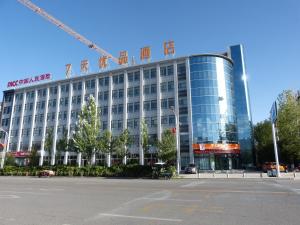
5 147
177 139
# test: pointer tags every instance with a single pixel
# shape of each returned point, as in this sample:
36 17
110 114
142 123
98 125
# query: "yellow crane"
67 29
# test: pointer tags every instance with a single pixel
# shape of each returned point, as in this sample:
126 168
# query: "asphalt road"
86 201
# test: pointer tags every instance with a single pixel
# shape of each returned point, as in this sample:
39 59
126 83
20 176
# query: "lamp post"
4 149
177 139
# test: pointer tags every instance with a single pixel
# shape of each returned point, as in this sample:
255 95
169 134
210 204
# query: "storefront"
217 156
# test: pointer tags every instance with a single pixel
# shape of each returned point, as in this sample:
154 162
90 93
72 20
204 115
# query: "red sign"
20 154
16 83
216 148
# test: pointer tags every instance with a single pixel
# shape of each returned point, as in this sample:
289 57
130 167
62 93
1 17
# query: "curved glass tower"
215 141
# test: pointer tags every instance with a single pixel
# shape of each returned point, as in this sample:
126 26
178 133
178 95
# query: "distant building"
209 93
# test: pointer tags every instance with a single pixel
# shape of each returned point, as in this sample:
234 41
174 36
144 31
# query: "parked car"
191 168
272 165
46 173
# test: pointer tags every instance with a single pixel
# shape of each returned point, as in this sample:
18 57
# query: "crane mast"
67 29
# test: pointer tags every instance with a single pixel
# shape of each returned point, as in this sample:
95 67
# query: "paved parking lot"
80 201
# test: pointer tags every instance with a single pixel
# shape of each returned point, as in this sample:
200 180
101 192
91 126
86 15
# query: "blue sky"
269 31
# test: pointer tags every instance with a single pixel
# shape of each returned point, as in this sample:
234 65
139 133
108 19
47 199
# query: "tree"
62 144
124 141
167 147
145 139
87 130
288 126
263 142
33 157
109 144
49 142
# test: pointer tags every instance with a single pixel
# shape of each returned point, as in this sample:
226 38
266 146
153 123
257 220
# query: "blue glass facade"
242 102
213 108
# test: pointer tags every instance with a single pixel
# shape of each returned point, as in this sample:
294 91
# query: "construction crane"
67 29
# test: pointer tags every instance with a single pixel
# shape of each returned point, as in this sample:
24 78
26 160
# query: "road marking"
173 199
9 196
141 217
24 192
192 184
51 189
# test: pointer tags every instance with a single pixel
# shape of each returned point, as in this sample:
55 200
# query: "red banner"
216 148
20 154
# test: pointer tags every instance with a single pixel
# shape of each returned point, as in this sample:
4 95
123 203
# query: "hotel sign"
29 80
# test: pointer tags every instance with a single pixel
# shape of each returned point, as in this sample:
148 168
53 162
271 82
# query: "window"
153 121
114 109
171 102
146 89
93 83
74 86
153 88
163 71
78 99
121 78
181 85
146 105
114 124
129 107
136 91
105 95
153 105
136 122
163 87
115 79
104 125
120 108
130 92
153 73
170 85
171 119
130 77
164 120
182 101
66 101
137 76
166 70
146 74
164 103
130 123
115 94
103 81
136 106
121 93
79 87
170 70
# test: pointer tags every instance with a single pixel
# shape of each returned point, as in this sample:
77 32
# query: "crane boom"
67 29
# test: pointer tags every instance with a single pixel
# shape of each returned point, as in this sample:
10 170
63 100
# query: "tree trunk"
93 158
108 159
79 159
66 158
125 160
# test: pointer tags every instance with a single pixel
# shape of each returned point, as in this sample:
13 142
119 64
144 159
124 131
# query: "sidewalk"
240 174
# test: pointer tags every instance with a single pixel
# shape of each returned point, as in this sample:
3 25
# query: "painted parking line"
9 196
141 217
192 184
173 199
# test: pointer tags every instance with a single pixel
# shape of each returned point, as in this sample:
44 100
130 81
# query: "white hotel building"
206 91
